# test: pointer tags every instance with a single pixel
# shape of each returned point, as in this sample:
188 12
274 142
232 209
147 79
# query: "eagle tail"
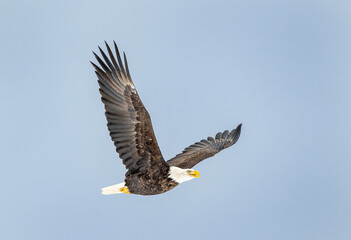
114 189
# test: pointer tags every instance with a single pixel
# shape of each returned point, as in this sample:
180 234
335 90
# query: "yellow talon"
124 190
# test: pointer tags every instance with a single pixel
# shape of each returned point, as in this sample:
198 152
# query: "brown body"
150 183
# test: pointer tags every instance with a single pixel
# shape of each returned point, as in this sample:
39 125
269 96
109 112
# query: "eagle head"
181 175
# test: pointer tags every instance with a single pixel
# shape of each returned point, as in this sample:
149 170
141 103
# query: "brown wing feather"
199 151
129 122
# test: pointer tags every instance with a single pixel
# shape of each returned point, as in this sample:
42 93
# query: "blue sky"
282 68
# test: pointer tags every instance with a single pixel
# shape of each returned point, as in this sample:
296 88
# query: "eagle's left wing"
128 121
199 151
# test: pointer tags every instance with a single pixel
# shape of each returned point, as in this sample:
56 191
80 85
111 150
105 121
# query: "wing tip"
237 132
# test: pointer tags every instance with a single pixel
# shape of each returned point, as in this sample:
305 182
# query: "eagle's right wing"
199 151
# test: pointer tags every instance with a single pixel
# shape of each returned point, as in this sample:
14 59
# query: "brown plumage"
131 131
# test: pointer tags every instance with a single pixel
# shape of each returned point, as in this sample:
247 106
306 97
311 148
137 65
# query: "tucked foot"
124 190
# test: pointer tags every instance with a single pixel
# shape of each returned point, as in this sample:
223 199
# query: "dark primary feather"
129 122
199 151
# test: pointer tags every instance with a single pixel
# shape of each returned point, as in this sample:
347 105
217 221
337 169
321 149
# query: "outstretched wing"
199 151
128 121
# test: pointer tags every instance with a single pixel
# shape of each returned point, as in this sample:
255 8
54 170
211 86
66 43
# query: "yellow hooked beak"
194 173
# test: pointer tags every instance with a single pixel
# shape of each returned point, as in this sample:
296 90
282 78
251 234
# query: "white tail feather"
113 189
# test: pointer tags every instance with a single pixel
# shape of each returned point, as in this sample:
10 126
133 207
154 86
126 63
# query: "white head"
181 175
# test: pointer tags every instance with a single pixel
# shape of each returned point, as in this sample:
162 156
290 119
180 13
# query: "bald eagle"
131 131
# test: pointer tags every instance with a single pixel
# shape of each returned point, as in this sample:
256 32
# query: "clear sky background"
282 68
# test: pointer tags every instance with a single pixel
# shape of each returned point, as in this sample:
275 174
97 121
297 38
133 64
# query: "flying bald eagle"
131 131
